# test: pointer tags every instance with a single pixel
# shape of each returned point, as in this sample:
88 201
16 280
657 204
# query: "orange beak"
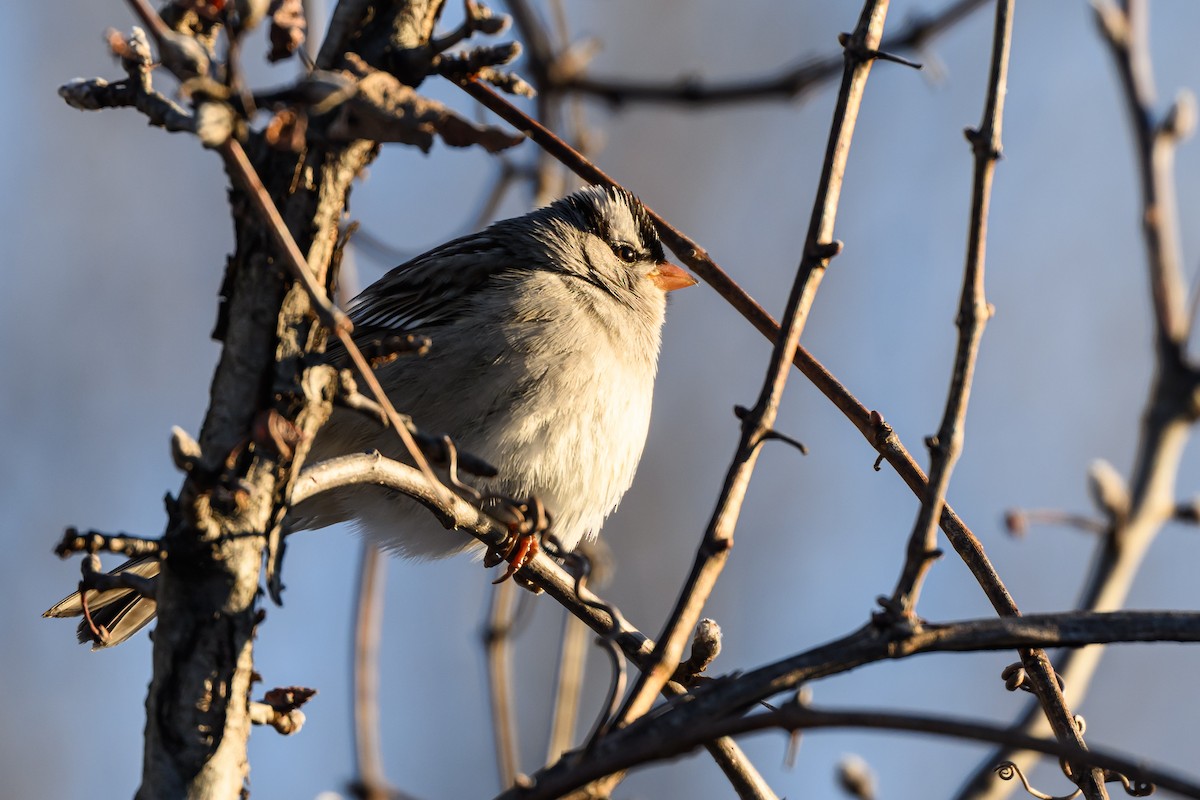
669 277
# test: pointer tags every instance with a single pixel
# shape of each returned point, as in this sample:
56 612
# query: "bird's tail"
116 613
120 613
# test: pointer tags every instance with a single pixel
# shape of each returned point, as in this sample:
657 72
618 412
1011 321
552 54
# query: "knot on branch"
855 49
983 145
821 252
741 412
882 437
896 620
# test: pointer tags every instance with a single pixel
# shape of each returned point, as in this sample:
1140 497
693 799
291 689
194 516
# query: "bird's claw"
526 523
521 549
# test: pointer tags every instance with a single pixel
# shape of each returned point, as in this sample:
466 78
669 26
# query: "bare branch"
73 541
819 248
796 716
789 84
1126 32
497 642
973 313
368 749
601 617
869 423
1137 513
718 704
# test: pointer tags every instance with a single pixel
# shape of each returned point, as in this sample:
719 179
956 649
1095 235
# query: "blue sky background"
116 237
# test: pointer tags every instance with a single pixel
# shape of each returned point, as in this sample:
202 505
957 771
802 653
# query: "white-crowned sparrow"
545 334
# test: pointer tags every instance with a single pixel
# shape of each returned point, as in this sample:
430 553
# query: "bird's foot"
526 522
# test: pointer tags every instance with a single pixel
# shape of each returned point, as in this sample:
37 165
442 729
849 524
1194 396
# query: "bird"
544 331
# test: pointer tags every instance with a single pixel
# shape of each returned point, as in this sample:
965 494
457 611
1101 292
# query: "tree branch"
1171 406
973 313
789 84
719 704
797 717
819 248
869 423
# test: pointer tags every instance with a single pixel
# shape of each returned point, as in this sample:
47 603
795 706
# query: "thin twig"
864 646
497 644
726 699
548 181
973 314
372 780
791 83
243 172
869 423
794 716
1171 403
1127 32
819 248
568 685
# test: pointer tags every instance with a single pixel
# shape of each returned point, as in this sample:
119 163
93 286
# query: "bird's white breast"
560 405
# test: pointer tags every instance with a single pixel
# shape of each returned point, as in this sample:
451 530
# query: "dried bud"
288 27
1108 489
856 777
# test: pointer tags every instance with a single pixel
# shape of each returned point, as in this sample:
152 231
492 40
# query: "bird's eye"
626 253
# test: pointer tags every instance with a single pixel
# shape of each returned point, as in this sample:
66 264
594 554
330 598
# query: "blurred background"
117 235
